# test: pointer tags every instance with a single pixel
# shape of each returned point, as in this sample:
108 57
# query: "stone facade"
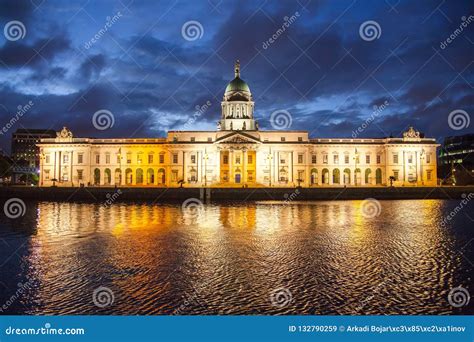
238 154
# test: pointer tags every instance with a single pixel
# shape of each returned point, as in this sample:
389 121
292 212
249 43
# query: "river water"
259 258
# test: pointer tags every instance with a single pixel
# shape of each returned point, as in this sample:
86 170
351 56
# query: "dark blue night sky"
319 68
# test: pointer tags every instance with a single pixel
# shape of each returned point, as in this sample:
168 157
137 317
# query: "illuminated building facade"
238 154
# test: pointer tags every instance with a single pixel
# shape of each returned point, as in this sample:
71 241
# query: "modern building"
456 160
24 145
238 154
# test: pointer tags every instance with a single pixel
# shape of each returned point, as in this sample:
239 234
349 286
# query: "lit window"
325 158
150 159
129 158
367 158
225 160
428 174
107 158
80 174
428 158
336 158
174 175
250 159
395 158
80 158
193 159
300 158
410 159
65 158
395 175
97 158
237 160
162 158
139 158
175 158
46 174
313 159
346 159
47 159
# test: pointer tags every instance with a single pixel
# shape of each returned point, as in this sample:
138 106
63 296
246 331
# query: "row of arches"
130 177
346 178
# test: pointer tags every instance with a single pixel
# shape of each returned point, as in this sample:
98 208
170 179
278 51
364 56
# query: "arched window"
347 176
107 176
378 176
314 176
336 176
368 177
357 176
128 176
139 176
325 176
96 176
161 176
150 176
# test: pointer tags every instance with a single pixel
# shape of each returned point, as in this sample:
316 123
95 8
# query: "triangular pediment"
237 138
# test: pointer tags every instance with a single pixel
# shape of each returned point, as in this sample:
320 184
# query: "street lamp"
206 157
356 158
422 157
270 157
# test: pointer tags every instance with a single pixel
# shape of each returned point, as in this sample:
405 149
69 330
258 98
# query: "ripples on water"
328 257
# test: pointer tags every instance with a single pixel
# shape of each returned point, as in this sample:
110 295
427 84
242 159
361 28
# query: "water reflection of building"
238 154
456 160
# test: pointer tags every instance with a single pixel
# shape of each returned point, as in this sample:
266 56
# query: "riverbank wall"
158 195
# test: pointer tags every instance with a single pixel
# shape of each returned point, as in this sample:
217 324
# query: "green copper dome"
237 84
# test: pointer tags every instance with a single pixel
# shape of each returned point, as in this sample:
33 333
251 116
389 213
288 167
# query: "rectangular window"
46 174
225 160
313 159
283 139
346 158
325 158
129 158
250 159
175 158
395 175
47 159
336 158
300 138
97 158
428 175
250 176
410 159
80 175
175 139
174 176
395 158
367 158
150 159
379 158
107 158
237 160
162 158
193 139
209 139
80 158
118 159
139 158
193 159
282 161
300 158
65 158
300 176
428 158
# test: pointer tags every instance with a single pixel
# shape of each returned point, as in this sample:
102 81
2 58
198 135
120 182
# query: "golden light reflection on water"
328 254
